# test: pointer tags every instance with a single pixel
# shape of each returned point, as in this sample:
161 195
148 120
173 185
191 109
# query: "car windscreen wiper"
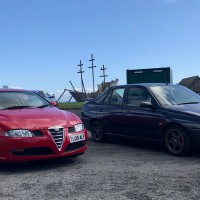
16 107
193 102
43 106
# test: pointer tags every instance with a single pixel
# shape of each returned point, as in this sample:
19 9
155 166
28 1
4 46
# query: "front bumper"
38 148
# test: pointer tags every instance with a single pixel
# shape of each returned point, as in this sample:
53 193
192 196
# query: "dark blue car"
164 113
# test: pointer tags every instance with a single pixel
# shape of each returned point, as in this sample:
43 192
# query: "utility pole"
104 76
92 59
81 72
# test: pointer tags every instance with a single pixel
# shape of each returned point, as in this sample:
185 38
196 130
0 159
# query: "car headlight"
79 127
18 133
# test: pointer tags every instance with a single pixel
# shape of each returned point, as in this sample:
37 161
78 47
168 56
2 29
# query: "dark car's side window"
106 101
137 95
115 97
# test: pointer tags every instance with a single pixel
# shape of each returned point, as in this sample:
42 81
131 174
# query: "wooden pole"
81 72
92 59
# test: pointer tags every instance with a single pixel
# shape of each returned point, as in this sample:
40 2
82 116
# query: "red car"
31 128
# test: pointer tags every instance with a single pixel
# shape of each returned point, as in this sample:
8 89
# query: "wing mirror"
54 103
147 105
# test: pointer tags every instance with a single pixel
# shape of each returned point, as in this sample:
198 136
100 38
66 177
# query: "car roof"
144 84
147 85
36 90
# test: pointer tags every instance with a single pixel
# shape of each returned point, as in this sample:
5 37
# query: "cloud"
86 89
12 87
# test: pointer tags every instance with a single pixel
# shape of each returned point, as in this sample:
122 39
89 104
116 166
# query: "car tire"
97 131
177 141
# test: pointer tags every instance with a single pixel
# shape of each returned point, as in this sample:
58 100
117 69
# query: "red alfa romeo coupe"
31 128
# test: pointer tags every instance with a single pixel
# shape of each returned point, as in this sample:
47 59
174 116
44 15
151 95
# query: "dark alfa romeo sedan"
31 128
164 113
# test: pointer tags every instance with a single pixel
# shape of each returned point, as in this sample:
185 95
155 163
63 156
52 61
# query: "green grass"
71 105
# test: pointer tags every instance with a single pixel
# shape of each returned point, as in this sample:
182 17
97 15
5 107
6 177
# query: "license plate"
76 137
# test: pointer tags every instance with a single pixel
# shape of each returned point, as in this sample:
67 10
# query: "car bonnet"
193 109
34 119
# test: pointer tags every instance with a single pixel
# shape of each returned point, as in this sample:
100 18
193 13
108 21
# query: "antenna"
81 72
92 59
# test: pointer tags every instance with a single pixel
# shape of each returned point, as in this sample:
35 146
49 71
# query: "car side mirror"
147 104
54 103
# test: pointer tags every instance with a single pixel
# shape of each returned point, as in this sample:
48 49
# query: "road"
118 169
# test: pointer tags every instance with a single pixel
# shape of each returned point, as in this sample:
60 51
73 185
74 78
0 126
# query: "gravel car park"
118 169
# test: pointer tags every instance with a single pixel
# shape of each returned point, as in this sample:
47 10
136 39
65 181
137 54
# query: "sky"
43 41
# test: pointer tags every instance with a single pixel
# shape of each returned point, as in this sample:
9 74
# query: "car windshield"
174 95
19 100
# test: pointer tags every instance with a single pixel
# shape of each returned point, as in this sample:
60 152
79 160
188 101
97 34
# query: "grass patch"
71 105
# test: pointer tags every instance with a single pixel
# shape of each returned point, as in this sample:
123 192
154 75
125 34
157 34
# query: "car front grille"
75 145
32 151
57 136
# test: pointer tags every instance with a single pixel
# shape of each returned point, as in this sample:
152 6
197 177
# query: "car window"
174 95
14 100
115 97
106 101
41 93
137 95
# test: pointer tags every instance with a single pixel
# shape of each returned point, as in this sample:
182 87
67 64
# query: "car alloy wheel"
97 131
177 141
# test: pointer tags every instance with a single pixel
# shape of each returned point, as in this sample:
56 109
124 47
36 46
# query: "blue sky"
43 41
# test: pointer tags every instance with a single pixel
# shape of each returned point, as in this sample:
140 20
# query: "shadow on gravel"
43 165
144 145
196 153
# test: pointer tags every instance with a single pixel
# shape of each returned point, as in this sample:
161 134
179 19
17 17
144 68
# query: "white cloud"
13 87
86 89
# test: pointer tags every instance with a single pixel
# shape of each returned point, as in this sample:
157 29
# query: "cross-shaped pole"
92 59
104 79
81 72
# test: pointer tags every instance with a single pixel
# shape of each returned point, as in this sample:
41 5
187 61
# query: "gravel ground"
117 169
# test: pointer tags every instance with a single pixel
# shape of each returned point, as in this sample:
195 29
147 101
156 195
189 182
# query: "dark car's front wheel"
177 141
97 131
